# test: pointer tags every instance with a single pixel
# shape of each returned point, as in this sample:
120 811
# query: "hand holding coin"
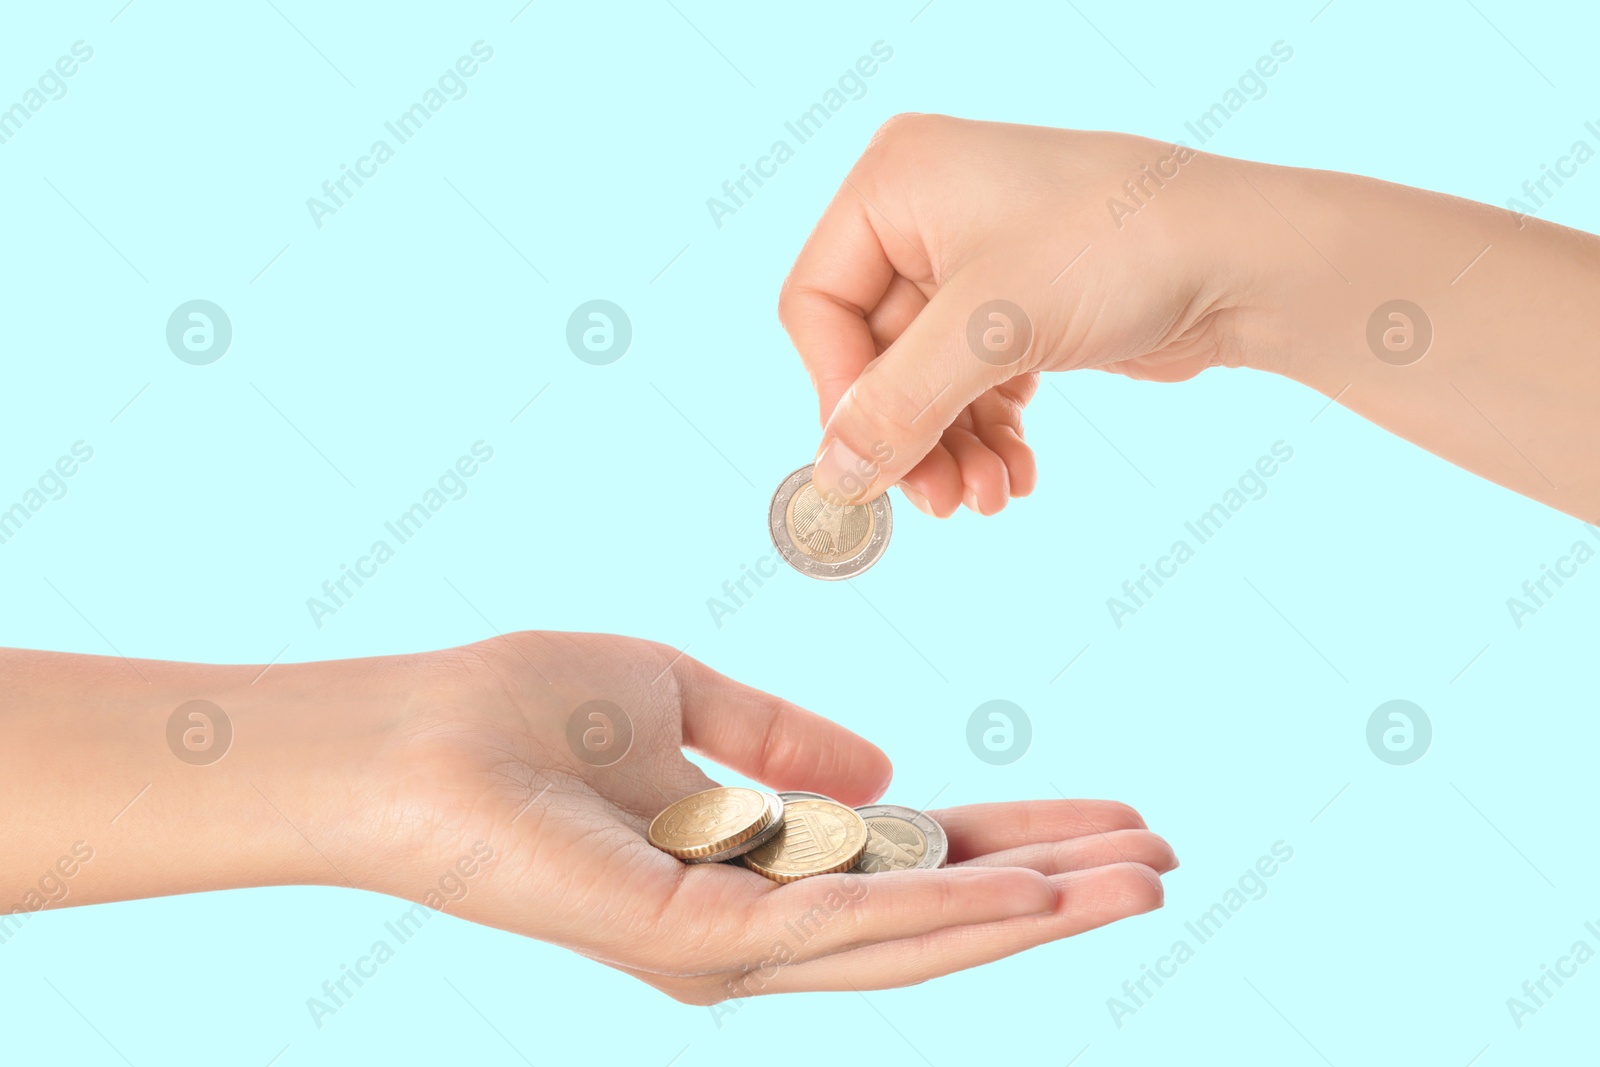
576 836
538 783
823 537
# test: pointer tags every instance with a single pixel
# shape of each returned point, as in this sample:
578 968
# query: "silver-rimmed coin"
800 794
901 839
774 810
823 540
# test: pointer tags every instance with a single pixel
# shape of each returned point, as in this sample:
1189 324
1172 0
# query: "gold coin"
711 822
775 804
818 837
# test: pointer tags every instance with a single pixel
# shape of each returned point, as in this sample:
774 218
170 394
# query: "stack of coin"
717 824
793 835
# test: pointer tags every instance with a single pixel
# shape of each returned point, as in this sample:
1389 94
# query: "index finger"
839 276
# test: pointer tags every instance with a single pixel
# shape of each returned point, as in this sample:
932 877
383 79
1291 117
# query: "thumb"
774 742
964 343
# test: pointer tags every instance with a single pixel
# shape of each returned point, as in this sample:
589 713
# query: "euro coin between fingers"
823 539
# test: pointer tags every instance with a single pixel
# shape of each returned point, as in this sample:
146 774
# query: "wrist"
1235 252
185 778
1256 256
1328 250
320 769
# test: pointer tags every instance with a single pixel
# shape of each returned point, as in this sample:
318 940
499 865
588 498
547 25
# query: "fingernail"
918 501
971 497
837 473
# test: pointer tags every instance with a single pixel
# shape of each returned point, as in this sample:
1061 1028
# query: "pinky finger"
1086 900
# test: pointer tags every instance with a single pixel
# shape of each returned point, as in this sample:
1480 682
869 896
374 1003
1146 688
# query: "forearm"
1509 386
101 806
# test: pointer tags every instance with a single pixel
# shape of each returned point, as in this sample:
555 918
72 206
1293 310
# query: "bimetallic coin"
800 794
823 540
901 839
818 837
706 823
732 852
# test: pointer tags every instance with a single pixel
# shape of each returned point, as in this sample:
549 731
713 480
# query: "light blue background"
407 328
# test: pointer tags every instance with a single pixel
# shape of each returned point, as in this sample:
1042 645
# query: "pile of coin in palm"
794 835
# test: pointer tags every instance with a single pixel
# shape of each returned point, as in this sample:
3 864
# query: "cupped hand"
959 259
557 821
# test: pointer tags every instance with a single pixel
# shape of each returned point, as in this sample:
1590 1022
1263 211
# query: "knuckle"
920 958
662 663
900 127
911 138
1029 822
946 900
882 411
1005 405
790 299
861 926
777 753
1064 855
